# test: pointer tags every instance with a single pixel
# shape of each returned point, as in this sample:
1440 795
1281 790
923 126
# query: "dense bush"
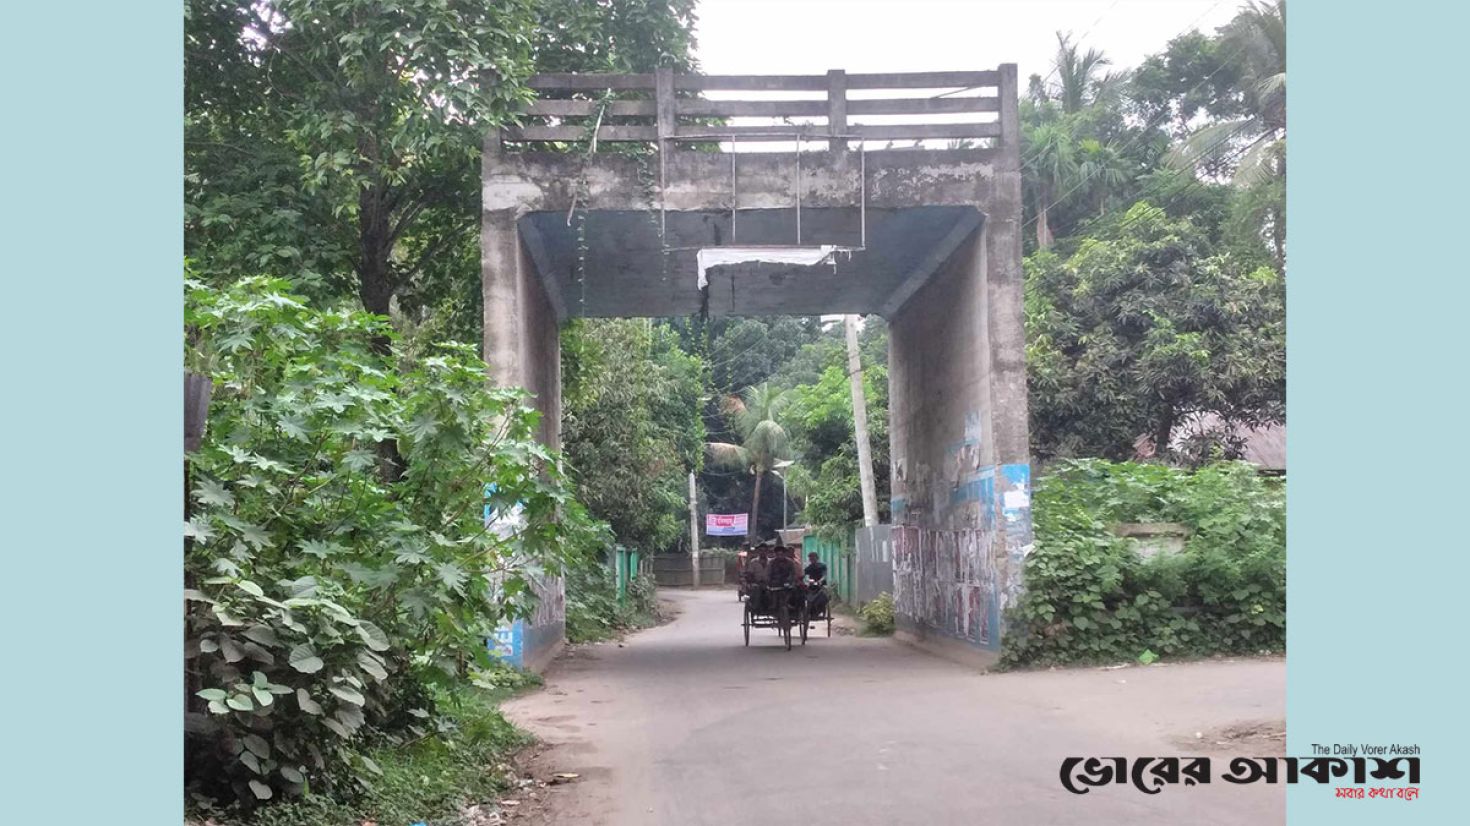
877 615
326 594
1090 597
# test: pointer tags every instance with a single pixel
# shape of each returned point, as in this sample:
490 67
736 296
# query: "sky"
812 36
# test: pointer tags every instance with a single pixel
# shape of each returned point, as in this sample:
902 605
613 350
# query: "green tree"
755 414
631 426
341 138
1143 326
1252 139
820 421
322 600
1073 136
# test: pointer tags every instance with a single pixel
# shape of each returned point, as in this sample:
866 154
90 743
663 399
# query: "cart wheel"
746 623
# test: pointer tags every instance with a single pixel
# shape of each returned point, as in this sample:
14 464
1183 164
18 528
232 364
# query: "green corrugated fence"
625 567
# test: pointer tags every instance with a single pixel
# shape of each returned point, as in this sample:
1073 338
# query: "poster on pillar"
726 524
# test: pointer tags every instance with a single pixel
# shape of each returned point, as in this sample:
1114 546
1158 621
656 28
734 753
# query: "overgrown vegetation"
328 600
877 615
462 759
1090 597
594 611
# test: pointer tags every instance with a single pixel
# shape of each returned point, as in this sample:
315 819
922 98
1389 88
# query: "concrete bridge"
927 237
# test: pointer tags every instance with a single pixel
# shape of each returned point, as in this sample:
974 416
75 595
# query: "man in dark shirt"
816 570
782 570
816 573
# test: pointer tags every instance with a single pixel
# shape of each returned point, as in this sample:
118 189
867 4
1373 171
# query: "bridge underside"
633 263
939 237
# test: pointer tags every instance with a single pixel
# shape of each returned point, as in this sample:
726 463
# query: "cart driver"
782 570
816 574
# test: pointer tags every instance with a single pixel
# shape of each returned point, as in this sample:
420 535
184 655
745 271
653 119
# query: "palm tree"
1256 38
1079 83
764 447
1051 151
1051 145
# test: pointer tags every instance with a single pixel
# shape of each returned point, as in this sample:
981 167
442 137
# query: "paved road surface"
684 726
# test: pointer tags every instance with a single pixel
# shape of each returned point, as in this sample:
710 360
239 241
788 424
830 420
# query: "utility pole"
860 423
693 531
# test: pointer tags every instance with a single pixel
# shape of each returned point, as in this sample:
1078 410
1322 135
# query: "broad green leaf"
258 745
372 665
292 775
198 530
348 694
225 617
210 492
336 727
251 761
305 660
260 789
232 652
263 634
240 702
308 705
262 696
368 764
211 694
374 636
250 588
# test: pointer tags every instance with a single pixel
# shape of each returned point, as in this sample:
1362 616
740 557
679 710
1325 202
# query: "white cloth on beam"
800 256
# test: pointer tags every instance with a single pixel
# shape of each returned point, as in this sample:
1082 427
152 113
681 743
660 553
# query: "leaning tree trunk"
1044 238
755 508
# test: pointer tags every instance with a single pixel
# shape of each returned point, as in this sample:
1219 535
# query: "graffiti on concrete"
1016 514
946 581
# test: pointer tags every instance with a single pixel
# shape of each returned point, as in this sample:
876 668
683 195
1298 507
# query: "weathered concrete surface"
942 263
686 727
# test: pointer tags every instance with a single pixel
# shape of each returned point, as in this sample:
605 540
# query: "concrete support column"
1004 285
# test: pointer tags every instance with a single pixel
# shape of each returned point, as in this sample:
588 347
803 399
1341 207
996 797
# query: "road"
683 725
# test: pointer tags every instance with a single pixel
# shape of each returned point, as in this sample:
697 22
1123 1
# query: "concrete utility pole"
860 423
693 531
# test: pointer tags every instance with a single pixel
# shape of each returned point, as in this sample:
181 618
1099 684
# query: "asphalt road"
684 725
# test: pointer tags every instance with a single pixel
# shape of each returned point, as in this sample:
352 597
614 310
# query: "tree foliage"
322 600
826 478
339 140
1090 596
1139 328
631 426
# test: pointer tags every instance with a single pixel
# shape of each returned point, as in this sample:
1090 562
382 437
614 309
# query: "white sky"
812 36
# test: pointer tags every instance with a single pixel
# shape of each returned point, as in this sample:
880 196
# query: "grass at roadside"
425 781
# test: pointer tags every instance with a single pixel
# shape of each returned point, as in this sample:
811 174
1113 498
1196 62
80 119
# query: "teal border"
1378 298
92 491
91 413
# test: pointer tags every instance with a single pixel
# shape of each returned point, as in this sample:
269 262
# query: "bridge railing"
666 107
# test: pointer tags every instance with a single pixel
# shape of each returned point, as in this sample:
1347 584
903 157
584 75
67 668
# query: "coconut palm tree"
1256 39
1051 151
1080 79
755 414
1051 143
